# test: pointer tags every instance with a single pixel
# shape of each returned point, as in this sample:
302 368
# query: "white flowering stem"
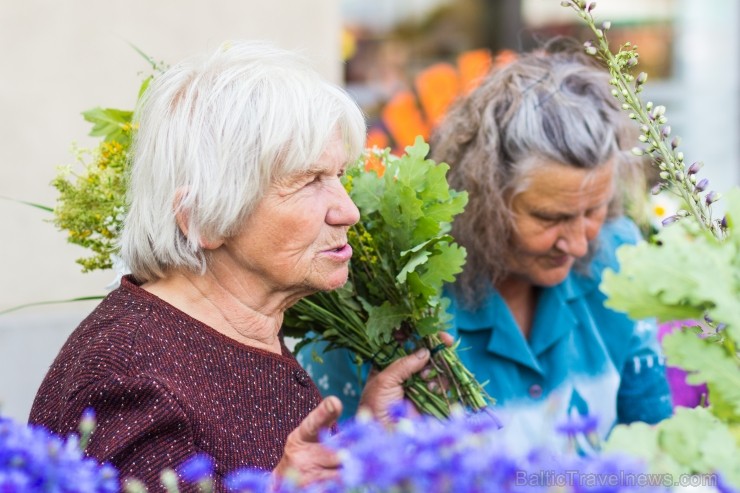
652 121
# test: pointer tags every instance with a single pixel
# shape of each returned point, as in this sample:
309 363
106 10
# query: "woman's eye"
547 220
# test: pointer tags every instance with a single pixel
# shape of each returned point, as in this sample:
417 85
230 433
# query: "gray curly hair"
553 104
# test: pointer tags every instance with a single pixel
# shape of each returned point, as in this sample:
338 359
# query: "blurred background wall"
61 58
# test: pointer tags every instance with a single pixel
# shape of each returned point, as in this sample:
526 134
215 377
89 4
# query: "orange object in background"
404 120
376 138
437 87
374 163
473 65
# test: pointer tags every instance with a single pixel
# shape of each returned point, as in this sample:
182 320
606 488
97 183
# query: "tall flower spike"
652 120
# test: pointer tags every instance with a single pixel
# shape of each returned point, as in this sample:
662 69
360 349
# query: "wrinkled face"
555 217
295 241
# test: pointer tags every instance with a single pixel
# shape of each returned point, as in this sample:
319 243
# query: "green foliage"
91 203
406 214
693 441
713 362
684 274
403 255
111 124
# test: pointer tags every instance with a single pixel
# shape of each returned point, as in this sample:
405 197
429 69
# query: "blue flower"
579 425
197 468
34 460
248 481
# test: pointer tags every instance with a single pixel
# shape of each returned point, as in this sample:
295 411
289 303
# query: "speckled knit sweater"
165 386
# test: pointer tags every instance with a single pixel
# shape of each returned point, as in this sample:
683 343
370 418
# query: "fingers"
304 457
325 415
386 387
401 370
446 339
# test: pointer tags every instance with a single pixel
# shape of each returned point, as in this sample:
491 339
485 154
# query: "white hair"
213 133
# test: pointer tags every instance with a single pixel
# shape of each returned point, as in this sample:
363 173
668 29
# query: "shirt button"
302 378
535 391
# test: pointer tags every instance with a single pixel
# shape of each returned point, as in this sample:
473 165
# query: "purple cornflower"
34 460
197 468
248 481
579 425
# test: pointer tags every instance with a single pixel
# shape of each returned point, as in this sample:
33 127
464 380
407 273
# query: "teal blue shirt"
581 357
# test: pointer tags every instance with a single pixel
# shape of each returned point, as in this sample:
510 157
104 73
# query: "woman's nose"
574 238
343 212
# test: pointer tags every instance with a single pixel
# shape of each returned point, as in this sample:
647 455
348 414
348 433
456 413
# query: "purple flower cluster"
464 454
34 460
461 454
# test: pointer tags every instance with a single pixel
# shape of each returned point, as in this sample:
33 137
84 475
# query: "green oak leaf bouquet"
393 302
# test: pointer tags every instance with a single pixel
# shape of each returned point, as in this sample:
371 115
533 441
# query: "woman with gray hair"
541 148
236 211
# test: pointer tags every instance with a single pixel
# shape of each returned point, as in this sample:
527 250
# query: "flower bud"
664 175
632 116
590 6
565 3
675 142
702 185
666 131
669 220
637 151
625 106
599 33
682 213
606 25
649 105
662 120
695 167
87 422
712 197
656 189
723 222
632 62
692 179
615 93
644 128
679 156
678 175
643 138
641 78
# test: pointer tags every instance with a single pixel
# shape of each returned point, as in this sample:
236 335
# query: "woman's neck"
521 298
246 317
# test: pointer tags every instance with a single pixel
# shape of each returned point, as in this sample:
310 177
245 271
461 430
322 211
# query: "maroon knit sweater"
164 386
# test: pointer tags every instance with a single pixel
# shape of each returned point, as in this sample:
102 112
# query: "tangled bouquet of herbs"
403 255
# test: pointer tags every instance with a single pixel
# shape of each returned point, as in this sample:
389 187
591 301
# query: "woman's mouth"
341 254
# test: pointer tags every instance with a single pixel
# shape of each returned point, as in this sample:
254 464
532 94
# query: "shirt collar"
554 319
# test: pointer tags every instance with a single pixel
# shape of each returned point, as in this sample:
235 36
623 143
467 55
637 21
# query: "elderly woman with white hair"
236 211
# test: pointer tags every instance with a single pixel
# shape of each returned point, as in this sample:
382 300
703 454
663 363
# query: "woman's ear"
182 217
